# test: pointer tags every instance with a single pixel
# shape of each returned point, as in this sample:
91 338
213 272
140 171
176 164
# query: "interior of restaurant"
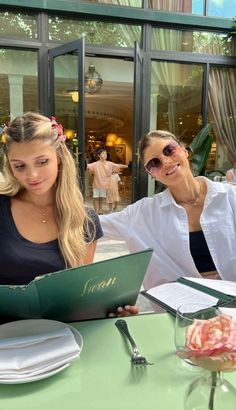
108 114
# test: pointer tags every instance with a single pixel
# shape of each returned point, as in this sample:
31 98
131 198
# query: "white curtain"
222 106
167 75
129 3
180 6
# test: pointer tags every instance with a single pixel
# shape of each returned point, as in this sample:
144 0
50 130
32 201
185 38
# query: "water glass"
185 316
217 178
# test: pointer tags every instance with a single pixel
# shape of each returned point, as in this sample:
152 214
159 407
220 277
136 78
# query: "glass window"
18 25
193 41
95 32
127 3
176 95
222 8
178 6
18 83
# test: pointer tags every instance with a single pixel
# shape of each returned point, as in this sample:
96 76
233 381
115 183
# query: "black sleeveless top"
20 259
200 252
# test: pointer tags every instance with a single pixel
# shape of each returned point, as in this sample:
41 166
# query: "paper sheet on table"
225 286
31 355
175 294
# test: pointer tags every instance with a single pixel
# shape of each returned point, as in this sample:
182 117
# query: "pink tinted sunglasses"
154 164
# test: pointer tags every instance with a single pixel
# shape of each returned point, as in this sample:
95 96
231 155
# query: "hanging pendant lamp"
92 80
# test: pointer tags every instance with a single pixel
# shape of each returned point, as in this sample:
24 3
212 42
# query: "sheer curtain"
129 3
168 75
181 6
222 106
130 33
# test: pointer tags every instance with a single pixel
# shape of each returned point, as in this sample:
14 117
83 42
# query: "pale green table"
103 377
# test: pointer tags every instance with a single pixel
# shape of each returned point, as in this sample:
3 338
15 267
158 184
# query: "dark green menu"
88 292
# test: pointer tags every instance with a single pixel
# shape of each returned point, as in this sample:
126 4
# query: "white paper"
225 286
175 294
229 311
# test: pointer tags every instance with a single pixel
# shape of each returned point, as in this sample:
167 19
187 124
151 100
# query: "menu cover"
87 292
192 290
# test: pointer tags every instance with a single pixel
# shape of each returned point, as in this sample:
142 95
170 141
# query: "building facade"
112 70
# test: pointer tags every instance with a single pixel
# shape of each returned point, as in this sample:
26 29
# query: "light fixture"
111 137
75 96
119 141
92 80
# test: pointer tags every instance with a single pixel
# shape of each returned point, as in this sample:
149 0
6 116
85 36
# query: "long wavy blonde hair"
71 217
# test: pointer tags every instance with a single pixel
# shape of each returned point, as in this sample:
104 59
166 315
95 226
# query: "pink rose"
211 344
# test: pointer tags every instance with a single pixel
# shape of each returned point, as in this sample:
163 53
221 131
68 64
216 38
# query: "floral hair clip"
2 133
61 135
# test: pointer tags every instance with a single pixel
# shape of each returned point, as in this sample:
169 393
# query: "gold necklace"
194 202
44 216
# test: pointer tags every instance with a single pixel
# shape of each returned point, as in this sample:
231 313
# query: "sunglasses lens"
170 150
153 164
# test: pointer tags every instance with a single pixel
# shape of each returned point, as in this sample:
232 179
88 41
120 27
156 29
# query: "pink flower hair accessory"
60 133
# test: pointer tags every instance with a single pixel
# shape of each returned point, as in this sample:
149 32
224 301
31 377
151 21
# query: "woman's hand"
126 310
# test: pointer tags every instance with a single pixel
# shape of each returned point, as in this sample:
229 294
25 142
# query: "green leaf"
200 137
200 148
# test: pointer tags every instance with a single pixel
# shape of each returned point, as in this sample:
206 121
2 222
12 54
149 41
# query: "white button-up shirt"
161 224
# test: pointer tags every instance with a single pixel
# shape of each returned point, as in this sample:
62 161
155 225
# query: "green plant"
200 148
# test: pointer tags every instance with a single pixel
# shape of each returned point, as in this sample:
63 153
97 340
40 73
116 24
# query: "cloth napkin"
27 356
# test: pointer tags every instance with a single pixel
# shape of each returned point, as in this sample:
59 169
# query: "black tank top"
200 252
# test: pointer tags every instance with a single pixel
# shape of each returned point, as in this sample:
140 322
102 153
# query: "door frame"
135 55
78 47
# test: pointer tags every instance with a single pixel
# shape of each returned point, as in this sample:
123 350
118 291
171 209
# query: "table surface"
103 377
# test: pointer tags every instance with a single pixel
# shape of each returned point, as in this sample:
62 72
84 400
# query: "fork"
137 358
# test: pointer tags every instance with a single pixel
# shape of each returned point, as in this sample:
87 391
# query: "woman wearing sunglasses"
191 225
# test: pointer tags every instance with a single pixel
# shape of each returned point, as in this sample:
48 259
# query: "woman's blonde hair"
71 217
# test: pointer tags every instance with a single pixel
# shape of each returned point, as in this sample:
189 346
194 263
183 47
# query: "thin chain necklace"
44 216
43 211
194 202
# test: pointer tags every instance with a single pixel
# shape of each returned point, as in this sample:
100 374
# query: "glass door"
137 123
103 116
66 96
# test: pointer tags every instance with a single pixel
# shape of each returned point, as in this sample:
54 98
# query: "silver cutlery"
137 358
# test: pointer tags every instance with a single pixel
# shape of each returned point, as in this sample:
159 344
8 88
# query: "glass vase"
210 392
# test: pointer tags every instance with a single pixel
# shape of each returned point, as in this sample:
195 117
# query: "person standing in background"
113 196
231 173
102 170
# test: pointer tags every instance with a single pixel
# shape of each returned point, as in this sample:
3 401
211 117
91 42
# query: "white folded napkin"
27 356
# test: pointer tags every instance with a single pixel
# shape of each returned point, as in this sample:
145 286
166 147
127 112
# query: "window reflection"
95 32
178 6
193 41
18 83
176 98
222 8
18 24
214 8
127 3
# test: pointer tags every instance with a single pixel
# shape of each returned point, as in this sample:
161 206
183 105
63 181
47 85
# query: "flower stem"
213 386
